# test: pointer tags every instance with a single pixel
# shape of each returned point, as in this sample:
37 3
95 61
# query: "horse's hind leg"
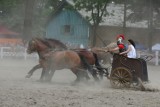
86 65
77 74
94 74
30 73
86 75
98 65
83 73
92 71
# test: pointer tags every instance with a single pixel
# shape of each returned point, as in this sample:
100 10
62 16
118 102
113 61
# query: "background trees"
29 17
96 10
148 10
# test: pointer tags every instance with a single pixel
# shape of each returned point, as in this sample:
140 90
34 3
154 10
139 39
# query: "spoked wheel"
120 78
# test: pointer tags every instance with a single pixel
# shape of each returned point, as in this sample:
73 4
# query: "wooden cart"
126 71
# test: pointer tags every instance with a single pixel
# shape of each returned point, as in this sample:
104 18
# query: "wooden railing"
155 56
16 52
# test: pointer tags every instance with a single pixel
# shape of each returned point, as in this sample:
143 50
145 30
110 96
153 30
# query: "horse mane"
56 42
59 43
44 42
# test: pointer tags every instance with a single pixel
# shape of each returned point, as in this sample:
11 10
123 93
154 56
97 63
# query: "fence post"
157 58
1 53
138 54
25 53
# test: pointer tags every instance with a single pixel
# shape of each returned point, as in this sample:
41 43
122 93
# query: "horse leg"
45 76
83 73
99 67
95 75
76 73
86 75
42 74
30 73
86 65
50 75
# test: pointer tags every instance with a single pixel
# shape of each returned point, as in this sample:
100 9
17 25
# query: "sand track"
17 91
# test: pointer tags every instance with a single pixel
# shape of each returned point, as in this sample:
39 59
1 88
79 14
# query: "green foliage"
12 14
145 10
97 9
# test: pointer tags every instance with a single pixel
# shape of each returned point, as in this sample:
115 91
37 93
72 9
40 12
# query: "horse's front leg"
51 74
30 73
42 74
45 74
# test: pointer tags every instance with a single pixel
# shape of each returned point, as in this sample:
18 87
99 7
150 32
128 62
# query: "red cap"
120 35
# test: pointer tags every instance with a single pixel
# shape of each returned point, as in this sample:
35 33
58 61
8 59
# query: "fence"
155 56
21 52
16 52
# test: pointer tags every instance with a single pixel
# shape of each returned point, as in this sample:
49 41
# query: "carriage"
126 71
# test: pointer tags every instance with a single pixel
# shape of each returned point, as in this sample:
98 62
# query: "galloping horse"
56 60
90 57
56 45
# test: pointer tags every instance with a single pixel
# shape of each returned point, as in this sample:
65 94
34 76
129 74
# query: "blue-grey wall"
79 28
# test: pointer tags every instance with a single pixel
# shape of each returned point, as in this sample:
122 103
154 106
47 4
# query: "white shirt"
132 52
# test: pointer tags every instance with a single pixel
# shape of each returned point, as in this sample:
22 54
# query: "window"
67 29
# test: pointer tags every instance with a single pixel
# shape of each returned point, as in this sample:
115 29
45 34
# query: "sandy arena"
17 91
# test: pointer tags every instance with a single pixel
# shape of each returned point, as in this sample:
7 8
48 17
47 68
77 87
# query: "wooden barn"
68 26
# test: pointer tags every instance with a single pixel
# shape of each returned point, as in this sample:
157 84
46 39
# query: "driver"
120 45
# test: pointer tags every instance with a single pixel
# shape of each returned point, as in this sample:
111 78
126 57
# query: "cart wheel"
120 77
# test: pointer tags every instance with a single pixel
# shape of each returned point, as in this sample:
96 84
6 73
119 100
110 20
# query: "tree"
125 3
44 9
96 9
11 13
146 10
29 11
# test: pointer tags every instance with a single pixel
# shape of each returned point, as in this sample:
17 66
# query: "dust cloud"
16 90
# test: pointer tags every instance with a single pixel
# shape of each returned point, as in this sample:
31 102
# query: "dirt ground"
17 91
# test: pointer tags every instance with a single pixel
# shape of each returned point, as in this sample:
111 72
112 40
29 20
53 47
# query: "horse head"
31 46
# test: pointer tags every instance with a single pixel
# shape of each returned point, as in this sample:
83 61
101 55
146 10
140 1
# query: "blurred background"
87 23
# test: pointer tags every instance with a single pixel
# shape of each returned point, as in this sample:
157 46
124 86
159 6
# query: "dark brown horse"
90 57
56 60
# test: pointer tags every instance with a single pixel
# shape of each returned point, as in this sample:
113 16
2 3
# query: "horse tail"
96 59
85 64
98 65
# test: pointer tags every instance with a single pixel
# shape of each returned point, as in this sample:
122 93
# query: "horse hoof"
28 76
42 81
75 82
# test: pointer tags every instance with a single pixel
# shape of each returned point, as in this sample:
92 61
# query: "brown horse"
56 45
89 56
56 60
